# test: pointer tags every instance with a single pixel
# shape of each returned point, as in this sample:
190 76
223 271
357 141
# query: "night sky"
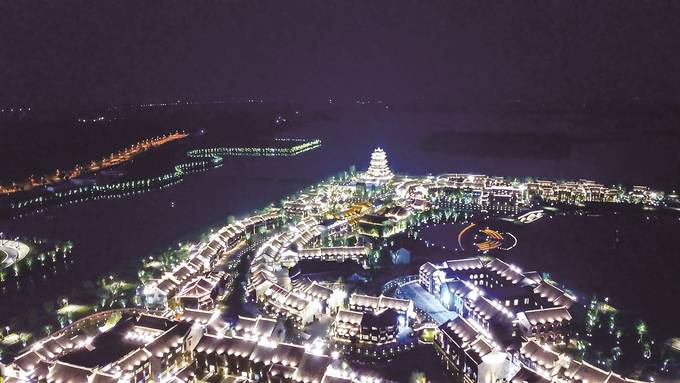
462 53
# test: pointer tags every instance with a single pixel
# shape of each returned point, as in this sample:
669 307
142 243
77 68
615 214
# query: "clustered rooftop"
195 280
505 315
500 314
300 300
500 297
275 361
501 193
140 345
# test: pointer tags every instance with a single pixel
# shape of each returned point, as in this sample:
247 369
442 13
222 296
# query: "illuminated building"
355 210
256 328
275 290
495 312
381 326
145 348
201 293
190 273
265 360
468 354
378 171
372 335
383 223
347 325
368 303
139 348
210 320
541 361
369 328
301 207
547 325
500 298
278 300
336 254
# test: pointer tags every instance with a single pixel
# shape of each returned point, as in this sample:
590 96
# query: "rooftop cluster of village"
491 321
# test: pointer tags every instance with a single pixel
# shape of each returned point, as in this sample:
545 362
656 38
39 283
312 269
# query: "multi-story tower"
378 172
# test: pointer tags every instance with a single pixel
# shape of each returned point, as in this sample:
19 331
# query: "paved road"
10 252
426 302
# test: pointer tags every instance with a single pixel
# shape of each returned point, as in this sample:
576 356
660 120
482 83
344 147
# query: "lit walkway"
427 302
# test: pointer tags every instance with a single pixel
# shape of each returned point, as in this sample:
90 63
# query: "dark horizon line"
519 104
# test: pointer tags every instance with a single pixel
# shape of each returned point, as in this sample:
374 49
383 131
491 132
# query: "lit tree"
646 350
640 329
375 256
581 347
418 377
612 323
592 316
24 337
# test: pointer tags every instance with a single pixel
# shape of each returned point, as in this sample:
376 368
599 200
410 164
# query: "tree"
418 377
113 319
640 329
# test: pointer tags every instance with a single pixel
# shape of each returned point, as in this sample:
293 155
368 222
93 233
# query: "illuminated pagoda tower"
378 172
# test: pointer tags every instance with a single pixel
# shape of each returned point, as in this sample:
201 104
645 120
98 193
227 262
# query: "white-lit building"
335 254
201 292
378 171
367 329
139 348
158 292
470 355
369 303
494 295
548 325
256 328
539 360
265 360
